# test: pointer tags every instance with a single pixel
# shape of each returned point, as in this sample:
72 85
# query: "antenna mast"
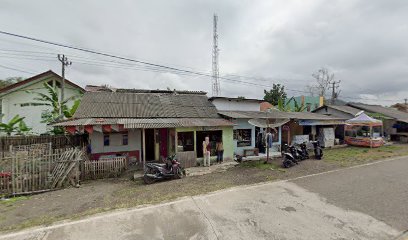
216 90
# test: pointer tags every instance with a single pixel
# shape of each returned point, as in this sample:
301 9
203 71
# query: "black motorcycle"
303 151
288 159
171 169
318 152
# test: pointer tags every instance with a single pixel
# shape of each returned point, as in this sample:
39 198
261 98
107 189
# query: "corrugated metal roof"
276 114
389 112
145 105
149 122
346 109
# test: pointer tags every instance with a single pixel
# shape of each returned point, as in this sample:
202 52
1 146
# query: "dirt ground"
108 194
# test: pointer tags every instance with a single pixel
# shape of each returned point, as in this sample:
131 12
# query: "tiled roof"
145 105
149 122
276 114
386 111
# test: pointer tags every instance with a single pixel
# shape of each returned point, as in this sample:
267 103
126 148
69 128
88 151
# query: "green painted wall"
227 139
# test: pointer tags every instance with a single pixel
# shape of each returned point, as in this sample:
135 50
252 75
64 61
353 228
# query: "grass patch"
11 201
358 155
259 165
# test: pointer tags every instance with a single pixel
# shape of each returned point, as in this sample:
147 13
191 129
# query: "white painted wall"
11 104
134 142
235 105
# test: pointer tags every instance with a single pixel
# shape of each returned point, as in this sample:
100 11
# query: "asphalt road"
359 203
379 189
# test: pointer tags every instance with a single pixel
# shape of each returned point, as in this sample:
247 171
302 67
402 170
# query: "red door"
163 142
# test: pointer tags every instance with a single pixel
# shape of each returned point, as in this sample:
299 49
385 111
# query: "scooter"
296 152
318 152
288 160
304 152
171 169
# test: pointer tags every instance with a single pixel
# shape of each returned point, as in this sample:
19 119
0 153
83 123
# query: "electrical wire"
173 69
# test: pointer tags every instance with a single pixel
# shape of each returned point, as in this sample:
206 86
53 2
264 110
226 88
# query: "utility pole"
65 63
216 90
334 85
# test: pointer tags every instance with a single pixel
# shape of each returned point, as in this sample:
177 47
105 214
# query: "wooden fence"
187 159
56 141
112 167
34 171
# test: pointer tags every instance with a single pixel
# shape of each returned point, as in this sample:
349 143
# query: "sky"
364 43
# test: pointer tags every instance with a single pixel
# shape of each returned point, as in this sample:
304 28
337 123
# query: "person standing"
220 151
206 151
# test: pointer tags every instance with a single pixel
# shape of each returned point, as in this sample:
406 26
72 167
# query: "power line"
15 69
173 69
135 67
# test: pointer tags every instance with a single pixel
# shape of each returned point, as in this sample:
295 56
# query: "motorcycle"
303 151
171 169
318 152
288 160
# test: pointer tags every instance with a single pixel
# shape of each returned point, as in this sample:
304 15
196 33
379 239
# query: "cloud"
282 41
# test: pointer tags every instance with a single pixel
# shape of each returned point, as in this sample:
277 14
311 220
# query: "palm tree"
14 126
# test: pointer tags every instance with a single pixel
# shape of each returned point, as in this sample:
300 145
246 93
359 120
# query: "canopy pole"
144 147
267 140
371 136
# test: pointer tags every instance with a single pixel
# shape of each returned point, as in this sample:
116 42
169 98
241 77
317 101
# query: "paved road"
362 203
380 190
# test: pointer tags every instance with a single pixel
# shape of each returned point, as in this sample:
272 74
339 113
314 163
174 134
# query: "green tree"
241 97
9 81
277 92
52 100
284 106
15 125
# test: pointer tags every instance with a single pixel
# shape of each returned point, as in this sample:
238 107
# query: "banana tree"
58 109
11 126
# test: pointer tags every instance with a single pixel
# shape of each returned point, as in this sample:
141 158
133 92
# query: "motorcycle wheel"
180 173
148 180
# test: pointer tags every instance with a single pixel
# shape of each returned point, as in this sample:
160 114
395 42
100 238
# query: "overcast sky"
363 42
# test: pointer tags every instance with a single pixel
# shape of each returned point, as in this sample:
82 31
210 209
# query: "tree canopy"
277 92
9 81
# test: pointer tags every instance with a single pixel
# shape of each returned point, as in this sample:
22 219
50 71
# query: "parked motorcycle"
171 169
303 151
288 160
318 152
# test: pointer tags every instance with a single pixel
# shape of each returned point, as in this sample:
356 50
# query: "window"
125 139
243 137
185 141
106 140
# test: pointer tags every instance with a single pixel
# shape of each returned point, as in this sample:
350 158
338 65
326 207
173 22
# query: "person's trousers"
220 156
206 159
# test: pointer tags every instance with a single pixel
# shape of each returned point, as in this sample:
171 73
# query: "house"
245 134
149 124
344 112
310 103
395 122
17 100
340 111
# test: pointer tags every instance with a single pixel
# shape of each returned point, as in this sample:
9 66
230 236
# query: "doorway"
200 136
149 138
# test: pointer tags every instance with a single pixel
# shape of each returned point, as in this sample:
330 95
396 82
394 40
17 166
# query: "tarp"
267 123
364 119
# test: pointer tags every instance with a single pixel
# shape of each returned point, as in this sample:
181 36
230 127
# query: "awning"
128 123
267 123
320 122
